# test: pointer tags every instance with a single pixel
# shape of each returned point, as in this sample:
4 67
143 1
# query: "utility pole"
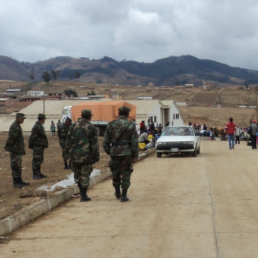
46 78
44 102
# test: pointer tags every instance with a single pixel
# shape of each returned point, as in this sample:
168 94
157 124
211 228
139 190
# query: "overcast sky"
141 30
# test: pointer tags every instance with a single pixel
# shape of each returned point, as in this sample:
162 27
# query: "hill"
11 69
168 71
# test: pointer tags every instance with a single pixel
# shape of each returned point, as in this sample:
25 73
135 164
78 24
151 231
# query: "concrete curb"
32 212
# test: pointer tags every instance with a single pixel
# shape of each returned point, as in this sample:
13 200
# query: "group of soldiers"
15 145
80 150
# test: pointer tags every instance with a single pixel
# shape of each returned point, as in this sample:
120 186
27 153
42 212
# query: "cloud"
142 30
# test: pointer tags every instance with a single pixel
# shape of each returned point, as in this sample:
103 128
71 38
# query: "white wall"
173 112
155 112
158 109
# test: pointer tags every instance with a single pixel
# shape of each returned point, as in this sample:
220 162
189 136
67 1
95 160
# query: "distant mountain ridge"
167 71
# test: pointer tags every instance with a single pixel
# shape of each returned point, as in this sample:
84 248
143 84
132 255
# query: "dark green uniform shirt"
82 142
38 136
120 138
64 129
15 140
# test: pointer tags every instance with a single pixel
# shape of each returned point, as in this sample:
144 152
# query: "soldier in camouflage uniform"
82 143
15 146
120 142
62 139
38 142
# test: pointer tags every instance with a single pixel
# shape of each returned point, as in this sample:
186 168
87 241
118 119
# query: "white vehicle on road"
178 139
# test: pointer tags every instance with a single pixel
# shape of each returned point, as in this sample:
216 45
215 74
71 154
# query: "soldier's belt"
119 144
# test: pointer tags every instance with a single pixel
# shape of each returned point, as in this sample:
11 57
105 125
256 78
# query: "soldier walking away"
120 142
38 142
58 126
15 146
62 139
82 143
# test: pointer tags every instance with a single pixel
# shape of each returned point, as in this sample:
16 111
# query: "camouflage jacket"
15 140
38 136
120 138
82 142
64 129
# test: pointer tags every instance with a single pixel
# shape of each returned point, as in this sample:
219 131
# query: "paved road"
180 207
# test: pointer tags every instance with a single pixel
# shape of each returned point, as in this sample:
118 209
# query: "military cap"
41 116
86 113
20 115
124 109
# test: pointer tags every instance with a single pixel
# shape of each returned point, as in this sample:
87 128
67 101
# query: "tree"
77 74
246 84
70 93
46 77
92 93
32 75
54 74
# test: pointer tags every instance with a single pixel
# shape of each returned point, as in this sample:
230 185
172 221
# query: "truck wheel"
159 154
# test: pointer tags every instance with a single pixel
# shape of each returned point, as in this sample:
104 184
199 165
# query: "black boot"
24 183
40 174
36 174
124 197
17 183
83 192
80 188
66 165
70 164
117 192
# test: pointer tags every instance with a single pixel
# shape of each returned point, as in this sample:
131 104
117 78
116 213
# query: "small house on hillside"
12 93
144 98
35 93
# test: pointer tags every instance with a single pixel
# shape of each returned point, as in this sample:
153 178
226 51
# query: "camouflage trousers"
82 173
65 154
38 157
16 164
121 168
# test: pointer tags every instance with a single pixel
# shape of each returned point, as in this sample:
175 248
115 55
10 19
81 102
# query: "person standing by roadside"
15 146
252 131
53 128
142 127
38 142
231 127
62 140
120 142
82 143
237 134
58 126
